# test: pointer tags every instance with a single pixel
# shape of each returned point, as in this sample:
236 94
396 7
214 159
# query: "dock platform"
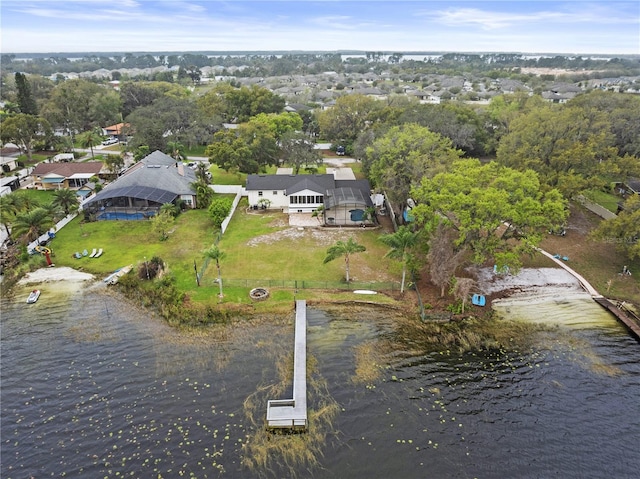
291 414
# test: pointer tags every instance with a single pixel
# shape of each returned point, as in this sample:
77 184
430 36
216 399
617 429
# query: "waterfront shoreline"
55 274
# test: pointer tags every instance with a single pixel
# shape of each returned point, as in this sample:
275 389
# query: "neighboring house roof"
116 129
67 170
157 177
634 185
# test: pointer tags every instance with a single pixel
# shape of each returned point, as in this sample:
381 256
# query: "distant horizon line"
341 52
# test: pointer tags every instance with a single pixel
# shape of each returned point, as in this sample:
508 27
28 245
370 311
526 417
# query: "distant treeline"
275 64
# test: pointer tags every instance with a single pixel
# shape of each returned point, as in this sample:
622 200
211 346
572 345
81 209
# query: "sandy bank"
46 275
526 279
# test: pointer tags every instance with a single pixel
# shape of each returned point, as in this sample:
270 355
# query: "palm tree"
400 243
346 249
65 199
176 150
10 206
202 173
170 208
89 139
204 194
32 224
215 254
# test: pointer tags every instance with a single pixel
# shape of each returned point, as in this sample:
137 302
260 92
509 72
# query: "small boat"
33 296
117 274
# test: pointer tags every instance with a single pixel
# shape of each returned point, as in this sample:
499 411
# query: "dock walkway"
291 414
627 317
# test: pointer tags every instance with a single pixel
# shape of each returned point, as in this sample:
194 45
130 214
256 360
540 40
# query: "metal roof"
346 196
138 192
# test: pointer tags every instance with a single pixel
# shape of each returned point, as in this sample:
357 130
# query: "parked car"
340 151
110 141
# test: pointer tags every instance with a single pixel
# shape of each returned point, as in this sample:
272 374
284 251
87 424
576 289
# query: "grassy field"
598 261
604 199
257 247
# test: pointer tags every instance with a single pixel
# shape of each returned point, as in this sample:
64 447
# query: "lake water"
94 387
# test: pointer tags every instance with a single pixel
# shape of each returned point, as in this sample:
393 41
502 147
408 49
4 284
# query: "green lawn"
295 256
129 242
604 199
257 248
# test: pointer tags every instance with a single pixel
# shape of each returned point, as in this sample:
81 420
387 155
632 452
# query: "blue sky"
527 26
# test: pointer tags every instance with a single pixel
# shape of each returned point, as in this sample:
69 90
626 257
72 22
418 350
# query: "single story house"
9 184
55 176
119 131
626 189
8 163
342 202
142 189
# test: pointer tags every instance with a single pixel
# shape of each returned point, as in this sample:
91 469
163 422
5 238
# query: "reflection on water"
92 387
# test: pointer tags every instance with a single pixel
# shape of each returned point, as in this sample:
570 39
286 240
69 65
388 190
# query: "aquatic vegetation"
467 335
268 454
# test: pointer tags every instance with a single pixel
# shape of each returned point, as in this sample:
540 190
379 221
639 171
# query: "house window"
259 193
275 193
319 199
293 200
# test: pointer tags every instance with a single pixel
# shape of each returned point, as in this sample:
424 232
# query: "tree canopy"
624 229
498 212
407 153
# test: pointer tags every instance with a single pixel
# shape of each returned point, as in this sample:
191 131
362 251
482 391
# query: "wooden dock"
627 317
291 414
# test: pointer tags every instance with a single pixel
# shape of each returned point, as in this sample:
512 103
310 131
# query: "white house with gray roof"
343 202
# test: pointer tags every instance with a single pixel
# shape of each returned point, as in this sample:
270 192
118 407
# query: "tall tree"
231 153
114 163
278 123
204 194
298 150
401 242
24 130
404 155
26 101
89 139
69 105
569 148
443 256
624 229
498 212
262 142
175 149
65 199
31 224
344 249
10 206
202 172
347 118
216 255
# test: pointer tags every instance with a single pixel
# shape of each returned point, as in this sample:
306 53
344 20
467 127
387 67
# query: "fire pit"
259 294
